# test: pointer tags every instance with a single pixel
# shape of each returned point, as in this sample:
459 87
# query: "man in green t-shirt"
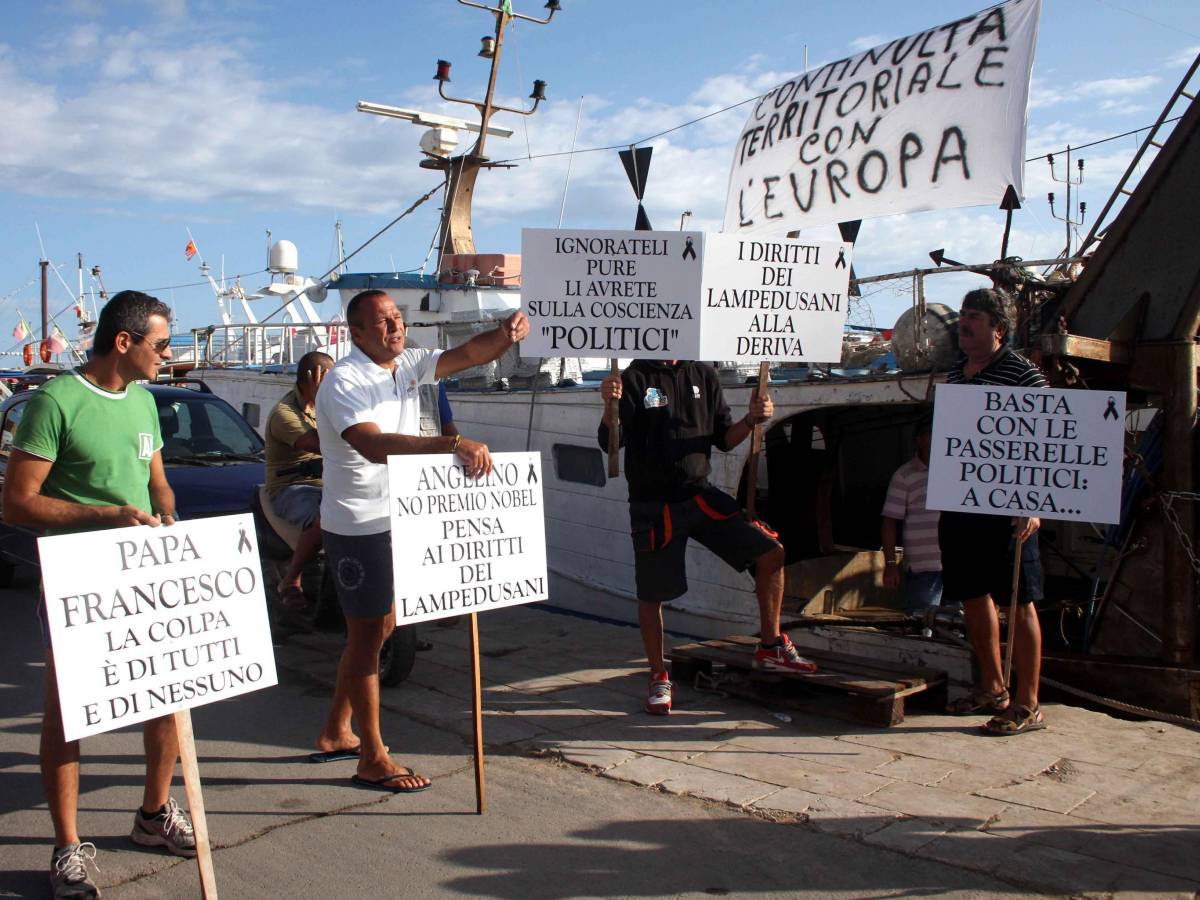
294 468
86 455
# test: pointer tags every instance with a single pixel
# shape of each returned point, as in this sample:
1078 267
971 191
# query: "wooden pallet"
844 686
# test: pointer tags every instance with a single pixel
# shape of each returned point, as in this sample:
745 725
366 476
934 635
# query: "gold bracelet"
457 441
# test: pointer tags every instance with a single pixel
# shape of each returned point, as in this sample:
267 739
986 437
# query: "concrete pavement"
589 797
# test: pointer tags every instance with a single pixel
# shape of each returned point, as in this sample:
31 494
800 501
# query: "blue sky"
128 121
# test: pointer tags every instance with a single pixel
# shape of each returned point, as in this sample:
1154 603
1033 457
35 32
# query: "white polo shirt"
356 390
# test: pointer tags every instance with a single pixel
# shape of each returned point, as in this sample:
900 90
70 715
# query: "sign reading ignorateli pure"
929 121
466 545
611 294
773 300
1005 451
149 621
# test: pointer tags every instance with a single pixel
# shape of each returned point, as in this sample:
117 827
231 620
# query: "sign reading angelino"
149 621
1005 451
465 545
611 294
774 300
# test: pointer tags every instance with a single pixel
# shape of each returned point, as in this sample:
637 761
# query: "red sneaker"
782 657
658 701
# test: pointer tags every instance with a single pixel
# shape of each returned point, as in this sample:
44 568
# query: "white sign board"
611 294
928 121
148 621
773 300
464 545
1055 454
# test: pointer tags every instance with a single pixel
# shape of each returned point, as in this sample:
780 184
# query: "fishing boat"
837 435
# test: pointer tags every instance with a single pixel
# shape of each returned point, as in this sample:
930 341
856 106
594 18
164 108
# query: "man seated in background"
294 469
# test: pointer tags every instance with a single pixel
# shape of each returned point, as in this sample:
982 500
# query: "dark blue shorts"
661 532
361 566
977 559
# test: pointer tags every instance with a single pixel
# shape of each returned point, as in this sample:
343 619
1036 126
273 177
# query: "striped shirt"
906 503
1008 369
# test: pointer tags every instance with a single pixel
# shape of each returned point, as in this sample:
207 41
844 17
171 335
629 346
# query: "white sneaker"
69 878
658 701
171 829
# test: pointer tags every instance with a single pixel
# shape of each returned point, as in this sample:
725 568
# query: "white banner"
148 621
774 301
611 294
1055 454
929 121
464 545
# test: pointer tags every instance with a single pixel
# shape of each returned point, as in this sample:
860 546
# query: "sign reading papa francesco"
773 300
611 294
1054 454
465 545
149 621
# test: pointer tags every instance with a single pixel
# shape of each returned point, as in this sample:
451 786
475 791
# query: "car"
215 463
213 459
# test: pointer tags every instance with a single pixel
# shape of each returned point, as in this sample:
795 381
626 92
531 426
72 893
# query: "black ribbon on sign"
841 260
244 542
531 478
689 250
1111 411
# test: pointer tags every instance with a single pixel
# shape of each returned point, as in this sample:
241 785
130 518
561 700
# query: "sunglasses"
157 346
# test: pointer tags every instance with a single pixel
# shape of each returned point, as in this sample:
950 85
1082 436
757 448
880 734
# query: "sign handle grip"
195 799
756 436
477 717
1012 614
614 426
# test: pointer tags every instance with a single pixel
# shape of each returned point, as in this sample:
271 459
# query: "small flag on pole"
22 330
190 250
57 342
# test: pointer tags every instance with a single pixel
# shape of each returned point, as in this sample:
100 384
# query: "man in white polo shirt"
905 505
368 408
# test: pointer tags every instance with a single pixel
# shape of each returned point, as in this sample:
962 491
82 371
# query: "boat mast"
455 235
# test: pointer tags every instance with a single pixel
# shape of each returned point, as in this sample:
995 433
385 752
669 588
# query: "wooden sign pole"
612 412
477 716
195 799
756 435
1012 615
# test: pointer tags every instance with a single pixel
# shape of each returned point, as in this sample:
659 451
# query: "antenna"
1066 217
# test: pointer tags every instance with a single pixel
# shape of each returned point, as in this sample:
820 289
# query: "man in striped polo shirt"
905 506
977 550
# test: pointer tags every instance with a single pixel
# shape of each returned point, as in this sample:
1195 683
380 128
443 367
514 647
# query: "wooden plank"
1078 347
195 797
846 681
862 663
880 712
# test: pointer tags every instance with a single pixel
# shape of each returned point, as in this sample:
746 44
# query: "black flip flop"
328 756
384 784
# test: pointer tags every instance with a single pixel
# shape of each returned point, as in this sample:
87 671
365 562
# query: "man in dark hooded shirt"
672 413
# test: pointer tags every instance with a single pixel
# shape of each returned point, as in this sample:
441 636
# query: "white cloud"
1116 87
867 41
1182 58
1042 95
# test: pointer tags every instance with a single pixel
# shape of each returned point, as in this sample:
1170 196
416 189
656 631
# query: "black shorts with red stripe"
661 532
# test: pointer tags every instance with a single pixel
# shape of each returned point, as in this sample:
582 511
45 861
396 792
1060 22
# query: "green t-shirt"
101 442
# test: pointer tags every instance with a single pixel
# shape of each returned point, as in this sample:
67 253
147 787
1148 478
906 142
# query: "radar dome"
931 347
283 258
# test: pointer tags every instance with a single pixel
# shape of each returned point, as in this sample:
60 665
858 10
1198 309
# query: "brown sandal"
1017 719
979 701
